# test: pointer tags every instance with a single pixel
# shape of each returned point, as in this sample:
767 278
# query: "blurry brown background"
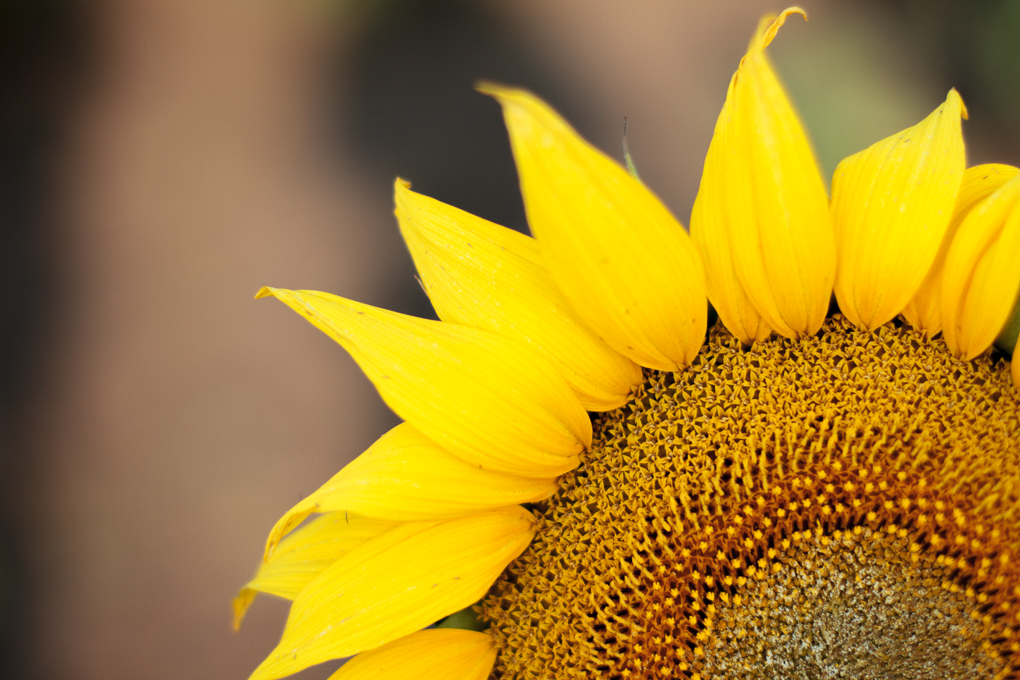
161 160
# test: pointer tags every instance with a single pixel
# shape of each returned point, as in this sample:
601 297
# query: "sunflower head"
787 510
803 490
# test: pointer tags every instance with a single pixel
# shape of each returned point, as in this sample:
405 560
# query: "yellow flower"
840 498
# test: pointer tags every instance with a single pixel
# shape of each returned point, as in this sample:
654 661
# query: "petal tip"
401 189
265 291
957 100
494 89
285 525
770 25
509 96
240 605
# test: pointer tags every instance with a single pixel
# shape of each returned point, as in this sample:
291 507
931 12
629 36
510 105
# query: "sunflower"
592 482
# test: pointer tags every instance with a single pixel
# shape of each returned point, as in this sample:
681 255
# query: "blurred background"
161 160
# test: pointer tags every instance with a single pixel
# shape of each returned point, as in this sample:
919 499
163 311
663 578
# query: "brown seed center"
858 606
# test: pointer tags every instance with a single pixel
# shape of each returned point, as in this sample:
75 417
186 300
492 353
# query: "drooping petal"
396 584
405 476
761 217
492 401
891 205
486 276
433 654
981 278
924 312
622 261
305 554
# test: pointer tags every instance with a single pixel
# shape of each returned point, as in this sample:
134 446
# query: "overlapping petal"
396 584
305 554
490 400
405 476
761 218
621 260
486 276
981 278
891 205
426 655
924 312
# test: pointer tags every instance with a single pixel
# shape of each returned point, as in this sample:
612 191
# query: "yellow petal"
622 261
891 205
491 400
434 654
708 220
924 312
305 554
761 217
396 584
404 477
486 276
981 278
1014 364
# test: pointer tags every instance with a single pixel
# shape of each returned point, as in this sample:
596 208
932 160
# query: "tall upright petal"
396 584
761 218
404 476
483 275
708 230
892 204
305 554
924 312
434 654
981 278
623 262
491 400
